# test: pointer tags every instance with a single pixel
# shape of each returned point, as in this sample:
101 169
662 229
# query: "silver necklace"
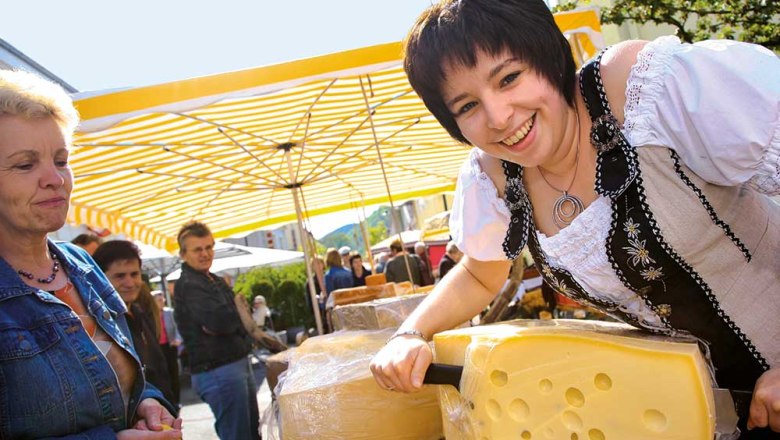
568 206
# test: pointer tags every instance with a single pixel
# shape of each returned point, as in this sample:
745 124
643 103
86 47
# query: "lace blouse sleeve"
479 218
716 103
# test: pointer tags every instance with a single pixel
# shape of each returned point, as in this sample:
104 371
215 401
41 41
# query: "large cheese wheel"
574 380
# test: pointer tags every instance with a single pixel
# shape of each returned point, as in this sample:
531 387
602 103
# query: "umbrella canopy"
233 149
227 257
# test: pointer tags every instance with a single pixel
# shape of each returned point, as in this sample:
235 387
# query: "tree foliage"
755 21
283 289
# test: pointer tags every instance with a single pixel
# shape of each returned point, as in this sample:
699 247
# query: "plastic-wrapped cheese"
574 380
330 394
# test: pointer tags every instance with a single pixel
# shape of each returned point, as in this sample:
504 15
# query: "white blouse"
716 103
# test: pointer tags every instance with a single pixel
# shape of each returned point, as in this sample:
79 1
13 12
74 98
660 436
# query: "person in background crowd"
451 257
401 264
88 242
344 251
215 337
381 261
170 341
337 277
120 260
148 304
260 312
640 183
421 250
359 272
68 368
261 337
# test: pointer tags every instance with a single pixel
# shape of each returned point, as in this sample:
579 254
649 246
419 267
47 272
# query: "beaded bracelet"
411 332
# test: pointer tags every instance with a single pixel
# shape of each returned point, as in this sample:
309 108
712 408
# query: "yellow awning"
214 148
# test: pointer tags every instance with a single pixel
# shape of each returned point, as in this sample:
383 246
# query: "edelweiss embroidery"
652 274
639 256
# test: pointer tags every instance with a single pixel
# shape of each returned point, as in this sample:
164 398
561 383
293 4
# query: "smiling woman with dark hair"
67 365
640 184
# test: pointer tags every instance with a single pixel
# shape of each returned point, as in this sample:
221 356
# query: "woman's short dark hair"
116 250
453 31
354 256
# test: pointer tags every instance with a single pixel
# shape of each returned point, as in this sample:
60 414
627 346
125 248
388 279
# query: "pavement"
198 420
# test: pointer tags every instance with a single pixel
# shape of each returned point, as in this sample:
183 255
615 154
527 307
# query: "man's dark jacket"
208 320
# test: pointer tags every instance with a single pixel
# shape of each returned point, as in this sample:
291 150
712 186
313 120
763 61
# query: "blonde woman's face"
35 176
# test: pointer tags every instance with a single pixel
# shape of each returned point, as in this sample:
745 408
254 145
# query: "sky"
95 45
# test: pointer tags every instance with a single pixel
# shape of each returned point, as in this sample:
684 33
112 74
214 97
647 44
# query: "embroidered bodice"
663 108
675 236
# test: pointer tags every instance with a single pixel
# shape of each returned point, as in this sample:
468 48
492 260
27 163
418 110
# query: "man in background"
451 257
421 250
120 260
88 242
344 252
215 338
401 264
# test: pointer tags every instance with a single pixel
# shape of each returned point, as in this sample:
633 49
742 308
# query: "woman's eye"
468 106
61 163
23 166
509 78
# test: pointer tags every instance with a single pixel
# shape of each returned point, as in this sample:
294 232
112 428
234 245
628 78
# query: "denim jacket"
54 381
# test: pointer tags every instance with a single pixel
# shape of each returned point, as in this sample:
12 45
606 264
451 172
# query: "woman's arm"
467 289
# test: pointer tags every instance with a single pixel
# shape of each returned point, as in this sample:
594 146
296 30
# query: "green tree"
290 303
377 233
755 21
264 288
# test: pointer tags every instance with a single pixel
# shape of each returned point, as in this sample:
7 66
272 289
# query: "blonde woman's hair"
29 96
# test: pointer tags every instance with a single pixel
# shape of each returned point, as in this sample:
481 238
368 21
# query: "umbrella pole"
364 232
312 291
164 288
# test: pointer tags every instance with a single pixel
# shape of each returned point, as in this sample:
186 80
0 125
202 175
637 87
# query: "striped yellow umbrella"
249 149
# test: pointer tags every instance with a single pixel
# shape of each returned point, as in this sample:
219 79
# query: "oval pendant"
566 208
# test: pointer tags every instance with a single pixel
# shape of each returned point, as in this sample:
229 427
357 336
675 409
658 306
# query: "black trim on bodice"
639 255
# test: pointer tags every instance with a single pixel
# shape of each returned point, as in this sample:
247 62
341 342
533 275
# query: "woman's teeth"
521 133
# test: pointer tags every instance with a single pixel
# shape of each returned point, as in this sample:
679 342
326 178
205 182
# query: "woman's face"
357 264
35 176
506 109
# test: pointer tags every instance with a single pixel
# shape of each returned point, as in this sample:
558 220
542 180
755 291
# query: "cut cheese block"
329 393
375 314
354 295
574 380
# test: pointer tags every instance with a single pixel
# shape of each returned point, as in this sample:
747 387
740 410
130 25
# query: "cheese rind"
329 394
567 380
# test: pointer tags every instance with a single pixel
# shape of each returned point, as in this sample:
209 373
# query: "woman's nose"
498 114
51 176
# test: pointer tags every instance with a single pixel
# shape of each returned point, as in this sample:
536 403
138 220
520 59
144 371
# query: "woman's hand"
152 416
401 364
765 407
137 434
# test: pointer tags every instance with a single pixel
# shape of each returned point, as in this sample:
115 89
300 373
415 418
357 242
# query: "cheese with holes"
329 393
574 380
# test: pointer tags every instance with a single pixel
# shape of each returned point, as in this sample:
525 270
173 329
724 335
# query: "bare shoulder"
492 167
615 68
